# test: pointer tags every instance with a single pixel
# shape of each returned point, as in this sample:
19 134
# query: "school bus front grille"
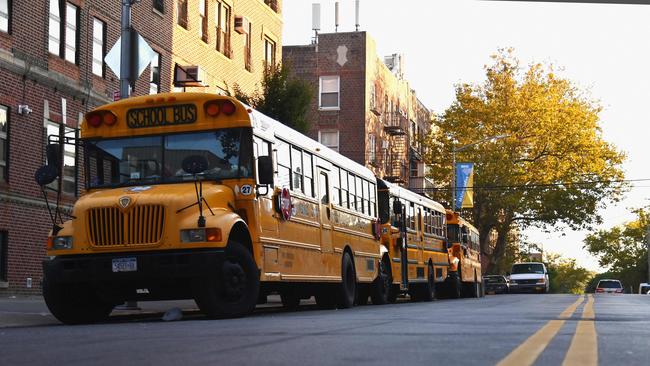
142 225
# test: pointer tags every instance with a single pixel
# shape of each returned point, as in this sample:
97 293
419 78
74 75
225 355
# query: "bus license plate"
125 264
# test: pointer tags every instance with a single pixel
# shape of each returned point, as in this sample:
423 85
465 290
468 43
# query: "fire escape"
395 157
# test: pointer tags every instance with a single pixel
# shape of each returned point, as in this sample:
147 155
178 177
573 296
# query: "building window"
223 28
247 49
5 15
4 143
372 148
54 40
99 46
329 139
63 34
69 169
71 21
329 92
159 5
269 53
203 14
182 13
4 254
154 78
273 4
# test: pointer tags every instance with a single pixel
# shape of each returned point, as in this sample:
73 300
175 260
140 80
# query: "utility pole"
647 241
126 59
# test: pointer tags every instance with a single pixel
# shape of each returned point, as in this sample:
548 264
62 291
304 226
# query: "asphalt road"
499 329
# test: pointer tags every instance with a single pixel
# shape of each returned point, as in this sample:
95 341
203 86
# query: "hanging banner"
464 179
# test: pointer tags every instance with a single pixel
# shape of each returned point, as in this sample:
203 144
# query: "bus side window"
284 164
344 189
336 186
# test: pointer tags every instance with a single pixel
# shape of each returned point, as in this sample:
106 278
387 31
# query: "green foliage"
282 97
565 276
553 142
623 249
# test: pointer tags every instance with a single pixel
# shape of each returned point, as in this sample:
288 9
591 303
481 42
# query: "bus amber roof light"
212 108
109 119
228 108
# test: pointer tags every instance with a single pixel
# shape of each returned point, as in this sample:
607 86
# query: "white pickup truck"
529 276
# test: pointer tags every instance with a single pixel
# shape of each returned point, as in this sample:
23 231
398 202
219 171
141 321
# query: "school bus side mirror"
265 170
46 175
397 207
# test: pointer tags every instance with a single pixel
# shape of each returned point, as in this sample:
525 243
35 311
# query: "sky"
602 48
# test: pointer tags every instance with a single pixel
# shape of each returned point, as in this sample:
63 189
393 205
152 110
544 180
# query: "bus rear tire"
381 287
454 285
348 288
233 291
429 288
74 306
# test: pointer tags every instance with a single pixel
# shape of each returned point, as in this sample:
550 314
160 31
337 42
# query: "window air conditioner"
191 75
241 24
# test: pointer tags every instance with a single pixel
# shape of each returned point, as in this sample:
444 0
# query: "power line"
536 186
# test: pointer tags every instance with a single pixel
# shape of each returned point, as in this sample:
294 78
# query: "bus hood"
174 197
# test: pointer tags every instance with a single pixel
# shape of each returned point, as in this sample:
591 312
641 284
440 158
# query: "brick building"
52 72
364 107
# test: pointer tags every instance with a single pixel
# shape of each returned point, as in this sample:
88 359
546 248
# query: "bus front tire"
233 292
348 287
381 287
74 306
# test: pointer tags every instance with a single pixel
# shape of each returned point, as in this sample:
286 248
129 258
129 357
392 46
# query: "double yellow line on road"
584 346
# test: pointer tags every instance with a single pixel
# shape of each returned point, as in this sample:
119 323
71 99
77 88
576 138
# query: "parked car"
644 288
609 286
529 276
496 283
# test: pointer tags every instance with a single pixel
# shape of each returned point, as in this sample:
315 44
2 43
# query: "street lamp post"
454 150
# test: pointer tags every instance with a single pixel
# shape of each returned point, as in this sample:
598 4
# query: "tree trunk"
502 240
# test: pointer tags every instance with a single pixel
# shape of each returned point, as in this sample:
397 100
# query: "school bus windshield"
158 159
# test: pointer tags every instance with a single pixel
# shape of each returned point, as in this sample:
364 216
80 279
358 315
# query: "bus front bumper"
162 275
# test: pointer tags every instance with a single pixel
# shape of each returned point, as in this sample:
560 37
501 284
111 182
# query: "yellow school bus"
414 233
197 196
465 257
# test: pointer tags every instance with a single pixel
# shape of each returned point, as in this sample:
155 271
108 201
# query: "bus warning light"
212 108
228 108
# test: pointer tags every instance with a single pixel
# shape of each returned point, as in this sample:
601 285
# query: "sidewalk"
28 311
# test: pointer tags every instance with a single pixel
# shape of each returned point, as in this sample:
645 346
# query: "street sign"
116 95
141 57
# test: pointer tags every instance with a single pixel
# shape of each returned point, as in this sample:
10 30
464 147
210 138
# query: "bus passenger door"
325 212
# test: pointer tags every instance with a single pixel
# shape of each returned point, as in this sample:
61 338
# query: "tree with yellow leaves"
552 168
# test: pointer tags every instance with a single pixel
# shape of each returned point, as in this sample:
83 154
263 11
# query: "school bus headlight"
59 242
201 235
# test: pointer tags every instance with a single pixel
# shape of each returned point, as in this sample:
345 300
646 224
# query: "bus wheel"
234 291
454 285
429 289
348 286
74 307
381 287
